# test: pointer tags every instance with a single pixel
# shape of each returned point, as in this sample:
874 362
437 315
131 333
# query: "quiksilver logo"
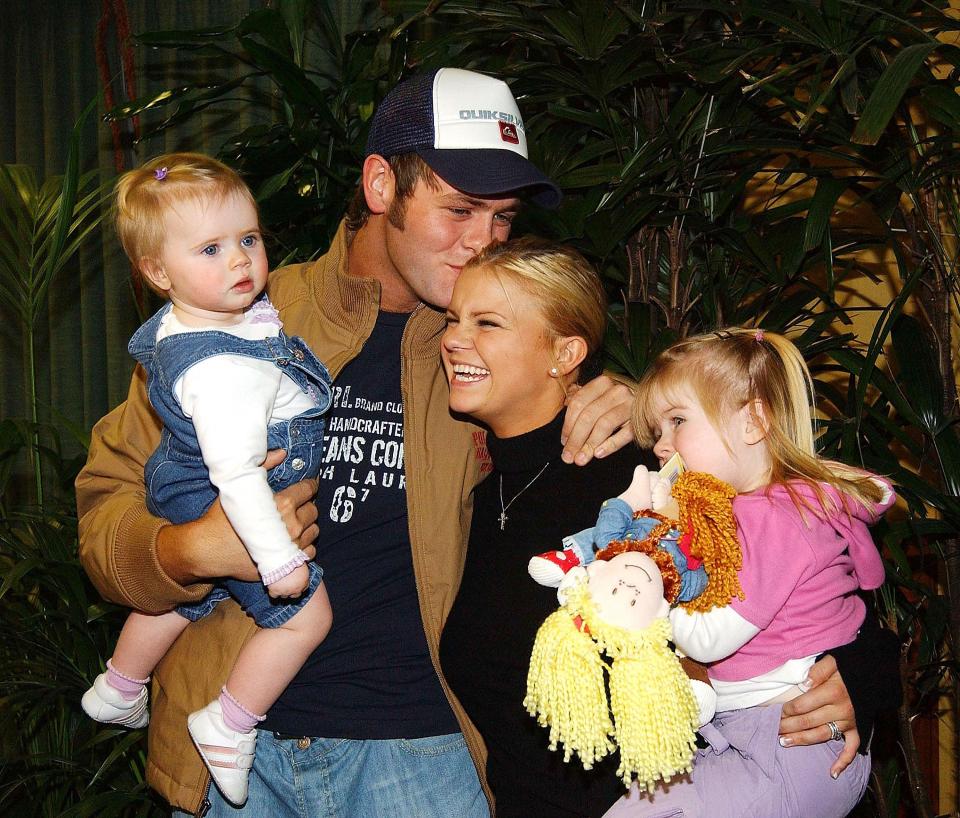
508 132
481 113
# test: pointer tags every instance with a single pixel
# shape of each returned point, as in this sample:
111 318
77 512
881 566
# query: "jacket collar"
343 297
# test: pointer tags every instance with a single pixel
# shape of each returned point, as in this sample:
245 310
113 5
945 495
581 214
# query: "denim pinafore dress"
177 481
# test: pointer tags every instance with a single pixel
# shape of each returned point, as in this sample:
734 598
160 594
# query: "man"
396 482
445 169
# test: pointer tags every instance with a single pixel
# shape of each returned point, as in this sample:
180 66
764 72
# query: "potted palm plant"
55 761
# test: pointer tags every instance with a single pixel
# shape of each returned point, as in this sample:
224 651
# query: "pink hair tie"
160 174
758 336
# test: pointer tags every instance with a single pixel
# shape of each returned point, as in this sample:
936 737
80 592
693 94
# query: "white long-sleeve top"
231 400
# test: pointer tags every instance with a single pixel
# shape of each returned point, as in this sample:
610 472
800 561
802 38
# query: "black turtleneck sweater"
486 644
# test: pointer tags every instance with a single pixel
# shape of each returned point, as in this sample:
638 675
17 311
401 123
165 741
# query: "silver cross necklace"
503 508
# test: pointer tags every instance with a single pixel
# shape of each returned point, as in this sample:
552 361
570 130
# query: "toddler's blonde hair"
736 367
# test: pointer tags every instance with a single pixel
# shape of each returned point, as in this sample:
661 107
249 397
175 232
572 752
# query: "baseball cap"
467 127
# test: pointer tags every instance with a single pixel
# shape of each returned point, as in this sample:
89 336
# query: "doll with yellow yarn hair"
616 606
737 405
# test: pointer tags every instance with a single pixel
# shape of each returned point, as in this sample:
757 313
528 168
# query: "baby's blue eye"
209 250
248 241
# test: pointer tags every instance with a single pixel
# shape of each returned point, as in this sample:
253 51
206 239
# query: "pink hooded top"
800 574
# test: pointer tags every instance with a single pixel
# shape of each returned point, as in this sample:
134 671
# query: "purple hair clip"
160 174
758 336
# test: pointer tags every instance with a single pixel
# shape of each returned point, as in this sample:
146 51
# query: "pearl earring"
554 372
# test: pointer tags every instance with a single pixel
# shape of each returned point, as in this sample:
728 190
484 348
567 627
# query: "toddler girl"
737 404
228 385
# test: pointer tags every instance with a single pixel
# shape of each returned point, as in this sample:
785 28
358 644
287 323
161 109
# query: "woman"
516 343
524 327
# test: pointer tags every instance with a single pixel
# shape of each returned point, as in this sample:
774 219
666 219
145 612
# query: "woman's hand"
208 547
597 421
806 718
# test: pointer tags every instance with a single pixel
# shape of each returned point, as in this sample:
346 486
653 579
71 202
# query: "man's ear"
754 421
154 272
378 183
569 353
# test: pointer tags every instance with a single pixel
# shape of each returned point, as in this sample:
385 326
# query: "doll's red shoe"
550 567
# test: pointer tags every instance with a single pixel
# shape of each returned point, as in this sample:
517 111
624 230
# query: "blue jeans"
347 778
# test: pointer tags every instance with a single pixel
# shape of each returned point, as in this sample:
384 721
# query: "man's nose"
479 232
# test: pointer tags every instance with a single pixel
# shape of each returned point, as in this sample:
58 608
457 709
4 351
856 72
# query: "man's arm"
117 534
849 685
598 420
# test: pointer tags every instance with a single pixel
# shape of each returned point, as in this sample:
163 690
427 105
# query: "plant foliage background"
723 163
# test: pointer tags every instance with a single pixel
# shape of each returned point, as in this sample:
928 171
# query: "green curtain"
49 67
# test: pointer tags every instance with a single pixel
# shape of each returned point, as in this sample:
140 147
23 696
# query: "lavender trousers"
745 773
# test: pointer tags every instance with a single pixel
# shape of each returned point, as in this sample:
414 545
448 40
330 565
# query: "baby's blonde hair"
145 194
736 367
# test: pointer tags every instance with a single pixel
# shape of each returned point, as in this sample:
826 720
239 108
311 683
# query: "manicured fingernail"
566 457
805 685
600 452
834 776
784 742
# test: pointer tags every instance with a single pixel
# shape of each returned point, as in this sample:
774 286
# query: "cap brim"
489 172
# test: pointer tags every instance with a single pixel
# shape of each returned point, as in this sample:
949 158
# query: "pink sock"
235 715
124 685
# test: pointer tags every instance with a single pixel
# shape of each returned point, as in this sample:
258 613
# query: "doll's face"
627 590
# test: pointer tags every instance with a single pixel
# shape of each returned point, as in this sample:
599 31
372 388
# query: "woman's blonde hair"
563 283
736 367
144 195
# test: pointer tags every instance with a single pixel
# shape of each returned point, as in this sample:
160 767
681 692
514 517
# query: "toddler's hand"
637 495
663 503
292 585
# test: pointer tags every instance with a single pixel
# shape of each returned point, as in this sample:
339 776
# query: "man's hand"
208 547
597 421
805 718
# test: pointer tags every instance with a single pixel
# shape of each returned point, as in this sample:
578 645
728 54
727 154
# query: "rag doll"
690 517
617 605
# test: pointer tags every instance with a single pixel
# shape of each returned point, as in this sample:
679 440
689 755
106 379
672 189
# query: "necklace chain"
503 508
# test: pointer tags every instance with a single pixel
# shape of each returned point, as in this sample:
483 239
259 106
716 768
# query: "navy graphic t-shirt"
372 677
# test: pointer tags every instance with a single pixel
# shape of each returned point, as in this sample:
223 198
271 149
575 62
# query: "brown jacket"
334 313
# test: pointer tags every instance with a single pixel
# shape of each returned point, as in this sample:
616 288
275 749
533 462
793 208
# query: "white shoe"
227 753
105 703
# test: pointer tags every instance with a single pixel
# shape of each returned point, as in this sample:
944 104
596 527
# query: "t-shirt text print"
364 450
372 677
